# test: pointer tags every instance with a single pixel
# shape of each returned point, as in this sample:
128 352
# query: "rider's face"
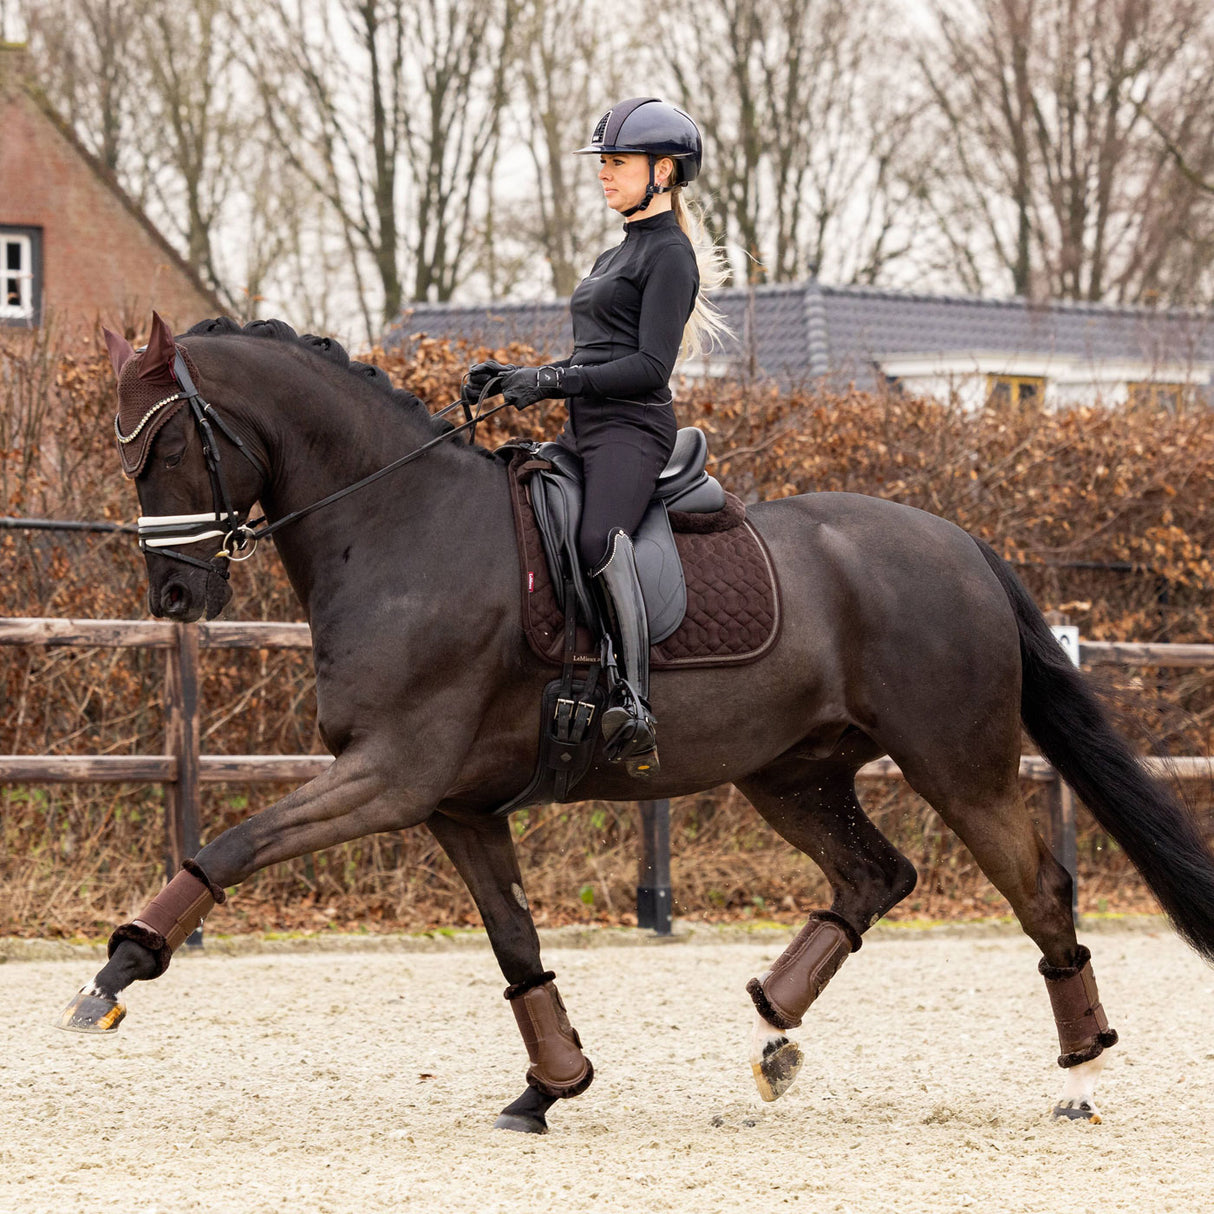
624 176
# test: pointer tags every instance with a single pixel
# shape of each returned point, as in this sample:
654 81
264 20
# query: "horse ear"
158 358
121 350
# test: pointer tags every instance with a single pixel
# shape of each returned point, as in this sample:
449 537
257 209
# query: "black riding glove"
526 385
480 374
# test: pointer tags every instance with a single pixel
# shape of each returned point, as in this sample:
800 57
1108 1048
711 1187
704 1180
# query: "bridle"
159 532
239 538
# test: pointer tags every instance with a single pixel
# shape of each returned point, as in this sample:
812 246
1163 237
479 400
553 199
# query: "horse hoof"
91 1012
776 1070
1076 1111
522 1123
526 1114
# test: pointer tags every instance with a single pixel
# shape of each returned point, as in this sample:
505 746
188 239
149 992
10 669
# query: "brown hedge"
1104 510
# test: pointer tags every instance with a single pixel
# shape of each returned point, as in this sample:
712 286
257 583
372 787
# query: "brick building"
74 249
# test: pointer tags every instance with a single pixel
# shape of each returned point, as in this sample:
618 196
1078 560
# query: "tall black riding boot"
629 730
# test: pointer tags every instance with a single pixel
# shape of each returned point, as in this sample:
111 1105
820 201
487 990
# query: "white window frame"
24 310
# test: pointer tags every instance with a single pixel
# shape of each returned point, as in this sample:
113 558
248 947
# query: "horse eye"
171 461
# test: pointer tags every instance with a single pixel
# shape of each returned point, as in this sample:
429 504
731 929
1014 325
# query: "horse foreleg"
483 854
349 800
142 949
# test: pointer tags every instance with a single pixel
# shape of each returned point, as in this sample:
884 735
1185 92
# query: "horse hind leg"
814 807
995 825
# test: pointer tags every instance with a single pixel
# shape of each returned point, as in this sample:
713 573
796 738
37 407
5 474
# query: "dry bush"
1123 491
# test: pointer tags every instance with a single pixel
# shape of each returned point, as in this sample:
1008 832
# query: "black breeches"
624 447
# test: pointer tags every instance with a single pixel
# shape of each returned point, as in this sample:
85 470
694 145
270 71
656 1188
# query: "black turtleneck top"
629 314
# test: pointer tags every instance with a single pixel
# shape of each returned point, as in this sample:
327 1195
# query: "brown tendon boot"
172 916
1083 1028
558 1066
783 996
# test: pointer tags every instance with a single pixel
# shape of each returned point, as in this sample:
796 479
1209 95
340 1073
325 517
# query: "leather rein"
239 538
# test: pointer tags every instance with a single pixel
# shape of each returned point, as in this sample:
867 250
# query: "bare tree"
803 117
452 126
157 94
84 54
390 110
564 80
1050 174
711 49
194 124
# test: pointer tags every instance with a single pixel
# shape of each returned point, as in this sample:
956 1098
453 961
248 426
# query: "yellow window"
1015 389
1168 397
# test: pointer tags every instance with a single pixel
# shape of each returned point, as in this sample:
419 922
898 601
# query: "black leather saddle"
556 498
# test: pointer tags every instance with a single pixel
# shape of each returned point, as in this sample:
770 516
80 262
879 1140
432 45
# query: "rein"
160 531
270 528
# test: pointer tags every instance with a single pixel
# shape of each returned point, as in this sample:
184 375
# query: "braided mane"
325 347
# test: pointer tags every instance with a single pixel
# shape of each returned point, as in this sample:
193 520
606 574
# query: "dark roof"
865 323
799 331
544 326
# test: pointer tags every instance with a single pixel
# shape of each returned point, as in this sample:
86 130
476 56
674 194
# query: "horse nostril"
174 598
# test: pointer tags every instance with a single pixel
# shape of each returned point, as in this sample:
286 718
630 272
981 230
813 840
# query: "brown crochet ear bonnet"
148 392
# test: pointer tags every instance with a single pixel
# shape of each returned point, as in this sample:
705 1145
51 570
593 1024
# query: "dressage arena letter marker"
1068 637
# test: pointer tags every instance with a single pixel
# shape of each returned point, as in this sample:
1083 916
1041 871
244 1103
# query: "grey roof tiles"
802 331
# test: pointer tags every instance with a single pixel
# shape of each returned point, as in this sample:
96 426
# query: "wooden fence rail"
182 768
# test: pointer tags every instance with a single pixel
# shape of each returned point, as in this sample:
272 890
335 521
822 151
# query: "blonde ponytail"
707 324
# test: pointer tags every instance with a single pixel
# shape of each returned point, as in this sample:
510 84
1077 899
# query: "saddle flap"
733 603
556 497
557 501
660 571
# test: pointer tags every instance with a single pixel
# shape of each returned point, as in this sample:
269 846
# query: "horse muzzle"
183 593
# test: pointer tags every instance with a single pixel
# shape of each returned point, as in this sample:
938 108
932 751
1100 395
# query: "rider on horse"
634 312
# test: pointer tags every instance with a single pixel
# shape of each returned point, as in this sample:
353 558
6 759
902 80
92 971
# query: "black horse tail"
1066 720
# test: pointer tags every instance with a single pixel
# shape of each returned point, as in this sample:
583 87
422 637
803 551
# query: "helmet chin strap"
650 190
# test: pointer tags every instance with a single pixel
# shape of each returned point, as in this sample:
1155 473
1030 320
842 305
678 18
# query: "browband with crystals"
143 421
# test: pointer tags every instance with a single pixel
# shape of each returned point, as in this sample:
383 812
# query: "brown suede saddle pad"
733 600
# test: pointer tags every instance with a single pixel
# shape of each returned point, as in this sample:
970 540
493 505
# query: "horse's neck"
316 450
412 522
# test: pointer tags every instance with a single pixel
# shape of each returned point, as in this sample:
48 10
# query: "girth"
557 495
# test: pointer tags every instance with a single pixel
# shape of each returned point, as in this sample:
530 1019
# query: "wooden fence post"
1062 800
1062 835
653 885
182 741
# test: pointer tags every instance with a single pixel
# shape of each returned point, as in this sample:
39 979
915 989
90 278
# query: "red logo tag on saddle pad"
530 581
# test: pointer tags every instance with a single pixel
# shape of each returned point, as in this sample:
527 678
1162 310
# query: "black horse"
902 635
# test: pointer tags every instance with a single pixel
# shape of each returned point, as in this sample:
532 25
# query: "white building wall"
964 378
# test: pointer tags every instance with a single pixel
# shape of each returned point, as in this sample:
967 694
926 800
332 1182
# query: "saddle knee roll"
803 969
558 1066
1083 1028
172 916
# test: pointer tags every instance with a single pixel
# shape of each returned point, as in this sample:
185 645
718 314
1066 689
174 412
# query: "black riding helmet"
652 127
